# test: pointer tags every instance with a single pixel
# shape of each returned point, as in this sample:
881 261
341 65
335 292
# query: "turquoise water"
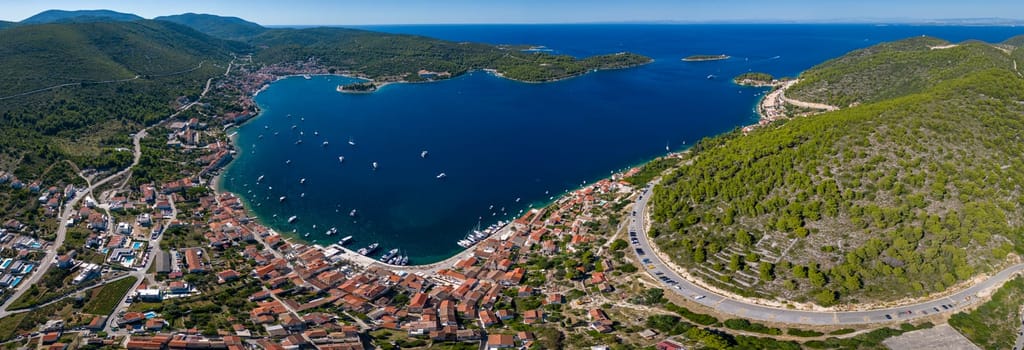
508 144
137 245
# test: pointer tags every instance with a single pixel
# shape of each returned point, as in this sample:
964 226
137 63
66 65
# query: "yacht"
442 175
306 235
353 213
295 127
316 133
374 165
306 76
390 254
517 199
282 198
325 143
423 154
404 260
345 240
332 231
259 179
341 159
292 219
299 142
302 195
350 142
302 181
288 161
369 249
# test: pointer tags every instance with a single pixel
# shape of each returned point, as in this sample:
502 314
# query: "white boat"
353 213
288 161
404 260
332 231
316 133
259 179
282 198
517 199
369 249
423 154
292 219
295 127
341 159
299 142
325 143
374 165
302 195
350 142
306 76
302 181
390 254
442 175
345 240
306 235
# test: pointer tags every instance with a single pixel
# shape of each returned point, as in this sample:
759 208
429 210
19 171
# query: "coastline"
219 188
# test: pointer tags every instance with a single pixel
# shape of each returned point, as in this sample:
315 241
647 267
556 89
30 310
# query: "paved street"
752 311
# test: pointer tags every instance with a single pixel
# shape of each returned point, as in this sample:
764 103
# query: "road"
69 208
748 310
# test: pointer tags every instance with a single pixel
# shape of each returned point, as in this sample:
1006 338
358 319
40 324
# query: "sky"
368 12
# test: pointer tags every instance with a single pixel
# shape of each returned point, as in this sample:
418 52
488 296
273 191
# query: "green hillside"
232 28
86 120
6 24
900 197
894 69
61 16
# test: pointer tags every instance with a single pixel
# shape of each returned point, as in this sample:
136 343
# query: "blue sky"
359 12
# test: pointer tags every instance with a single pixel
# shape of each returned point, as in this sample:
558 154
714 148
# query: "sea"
507 146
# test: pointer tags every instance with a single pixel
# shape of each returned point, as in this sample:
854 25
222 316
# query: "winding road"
654 263
69 207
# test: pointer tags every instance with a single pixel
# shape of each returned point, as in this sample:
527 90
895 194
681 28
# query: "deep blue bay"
498 140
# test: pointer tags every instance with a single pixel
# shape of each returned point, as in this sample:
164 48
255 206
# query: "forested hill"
232 28
895 69
86 122
896 197
61 16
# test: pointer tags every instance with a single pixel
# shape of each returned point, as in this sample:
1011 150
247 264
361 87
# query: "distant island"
754 79
701 58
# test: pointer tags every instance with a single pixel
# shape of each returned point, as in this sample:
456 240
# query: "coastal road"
654 262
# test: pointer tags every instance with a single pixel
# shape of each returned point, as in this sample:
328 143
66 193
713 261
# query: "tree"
765 269
618 244
735 263
826 297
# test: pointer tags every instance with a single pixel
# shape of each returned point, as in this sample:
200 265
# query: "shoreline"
288 236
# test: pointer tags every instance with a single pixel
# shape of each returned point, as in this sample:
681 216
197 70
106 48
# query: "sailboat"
302 181
259 179
666 147
351 142
423 154
341 159
374 165
441 176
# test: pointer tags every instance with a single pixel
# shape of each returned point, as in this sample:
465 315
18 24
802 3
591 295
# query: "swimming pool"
150 315
137 245
6 263
14 283
27 269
